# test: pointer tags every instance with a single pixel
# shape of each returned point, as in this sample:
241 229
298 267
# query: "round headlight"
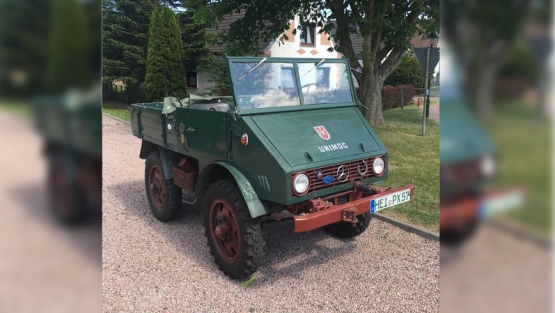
378 166
300 184
487 166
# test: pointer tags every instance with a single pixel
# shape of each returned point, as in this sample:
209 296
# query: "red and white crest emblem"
322 132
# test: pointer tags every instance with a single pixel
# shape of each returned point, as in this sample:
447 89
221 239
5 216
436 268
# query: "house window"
323 77
192 80
307 37
287 77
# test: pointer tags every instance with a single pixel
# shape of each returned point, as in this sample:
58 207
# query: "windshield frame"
295 62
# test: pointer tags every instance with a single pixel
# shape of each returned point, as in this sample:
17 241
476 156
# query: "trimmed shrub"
393 96
408 72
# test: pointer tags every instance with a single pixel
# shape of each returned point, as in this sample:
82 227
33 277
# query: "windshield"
325 83
276 84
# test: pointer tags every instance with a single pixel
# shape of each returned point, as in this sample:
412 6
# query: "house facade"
307 43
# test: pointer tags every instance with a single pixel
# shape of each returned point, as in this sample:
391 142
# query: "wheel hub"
157 188
225 230
221 230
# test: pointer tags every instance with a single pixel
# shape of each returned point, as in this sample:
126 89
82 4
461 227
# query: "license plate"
500 203
389 200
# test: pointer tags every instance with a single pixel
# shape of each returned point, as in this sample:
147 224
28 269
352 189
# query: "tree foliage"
196 40
409 72
125 38
164 69
385 26
23 38
481 34
69 61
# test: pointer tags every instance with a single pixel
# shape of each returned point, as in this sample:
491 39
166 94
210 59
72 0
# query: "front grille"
319 184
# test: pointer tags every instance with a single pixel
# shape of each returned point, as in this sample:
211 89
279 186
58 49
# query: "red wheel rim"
225 230
157 187
60 190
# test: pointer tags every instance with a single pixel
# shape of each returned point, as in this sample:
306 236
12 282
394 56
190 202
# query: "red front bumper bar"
458 213
343 212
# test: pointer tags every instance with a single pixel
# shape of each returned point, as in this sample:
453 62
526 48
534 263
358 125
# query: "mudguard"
256 206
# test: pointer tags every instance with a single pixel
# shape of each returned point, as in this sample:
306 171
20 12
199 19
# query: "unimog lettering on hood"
276 130
335 146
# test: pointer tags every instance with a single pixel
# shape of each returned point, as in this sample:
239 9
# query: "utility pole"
427 87
433 59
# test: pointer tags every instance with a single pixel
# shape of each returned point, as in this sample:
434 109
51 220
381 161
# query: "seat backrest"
213 106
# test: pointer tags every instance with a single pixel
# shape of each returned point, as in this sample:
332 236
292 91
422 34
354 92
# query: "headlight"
487 166
378 166
300 184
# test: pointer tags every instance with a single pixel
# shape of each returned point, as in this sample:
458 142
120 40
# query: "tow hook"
365 189
369 190
349 215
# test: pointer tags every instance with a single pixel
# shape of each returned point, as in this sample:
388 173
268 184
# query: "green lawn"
413 159
17 107
524 143
116 109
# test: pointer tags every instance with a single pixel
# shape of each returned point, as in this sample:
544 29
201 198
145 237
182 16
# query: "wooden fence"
122 93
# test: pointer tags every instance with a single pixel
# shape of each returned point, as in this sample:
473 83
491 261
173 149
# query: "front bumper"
461 212
343 212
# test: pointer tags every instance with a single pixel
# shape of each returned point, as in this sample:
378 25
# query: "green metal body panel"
71 120
256 206
282 141
462 136
292 135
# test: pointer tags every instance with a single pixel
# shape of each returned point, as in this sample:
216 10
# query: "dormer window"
308 36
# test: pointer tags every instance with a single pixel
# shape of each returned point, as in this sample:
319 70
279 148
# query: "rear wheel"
66 197
163 196
234 237
347 230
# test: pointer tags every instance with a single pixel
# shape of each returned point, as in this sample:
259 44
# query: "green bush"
408 72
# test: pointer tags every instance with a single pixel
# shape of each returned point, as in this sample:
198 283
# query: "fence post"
402 102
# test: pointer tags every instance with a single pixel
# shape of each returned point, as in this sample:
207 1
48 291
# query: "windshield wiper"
252 69
315 66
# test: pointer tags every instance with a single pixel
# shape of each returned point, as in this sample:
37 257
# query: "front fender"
256 206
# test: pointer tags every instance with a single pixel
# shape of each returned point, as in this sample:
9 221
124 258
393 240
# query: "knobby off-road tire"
67 201
234 237
163 196
346 230
451 237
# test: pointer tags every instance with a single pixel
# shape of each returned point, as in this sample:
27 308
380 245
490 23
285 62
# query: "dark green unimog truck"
290 139
468 160
71 127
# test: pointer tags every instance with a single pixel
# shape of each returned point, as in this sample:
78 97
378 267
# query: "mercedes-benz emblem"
342 173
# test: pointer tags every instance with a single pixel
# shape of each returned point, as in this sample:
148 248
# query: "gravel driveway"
150 266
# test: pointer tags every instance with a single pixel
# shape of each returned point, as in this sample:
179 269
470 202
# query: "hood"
462 137
305 137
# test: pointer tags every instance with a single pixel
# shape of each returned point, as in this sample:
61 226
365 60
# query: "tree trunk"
371 97
479 90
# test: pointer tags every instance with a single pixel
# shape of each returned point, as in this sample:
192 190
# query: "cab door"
203 131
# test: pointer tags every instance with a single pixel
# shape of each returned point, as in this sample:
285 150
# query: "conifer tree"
164 67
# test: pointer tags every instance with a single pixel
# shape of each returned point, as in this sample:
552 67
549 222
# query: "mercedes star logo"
342 173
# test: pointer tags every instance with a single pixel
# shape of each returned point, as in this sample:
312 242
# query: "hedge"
392 96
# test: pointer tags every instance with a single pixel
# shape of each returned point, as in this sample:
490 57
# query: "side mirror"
357 72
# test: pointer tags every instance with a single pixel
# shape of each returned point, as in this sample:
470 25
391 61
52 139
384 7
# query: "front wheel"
234 237
347 230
